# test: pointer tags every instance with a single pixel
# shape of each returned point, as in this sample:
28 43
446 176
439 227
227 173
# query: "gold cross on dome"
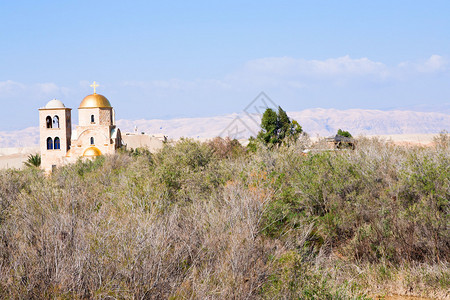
94 85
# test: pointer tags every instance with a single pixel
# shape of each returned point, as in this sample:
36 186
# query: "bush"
206 220
226 148
344 133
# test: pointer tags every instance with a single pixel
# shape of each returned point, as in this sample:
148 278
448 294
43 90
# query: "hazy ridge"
317 121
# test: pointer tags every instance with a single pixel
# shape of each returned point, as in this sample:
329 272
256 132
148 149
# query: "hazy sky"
167 59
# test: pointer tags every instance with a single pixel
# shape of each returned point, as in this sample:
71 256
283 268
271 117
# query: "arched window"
92 119
57 143
49 143
48 121
92 141
55 122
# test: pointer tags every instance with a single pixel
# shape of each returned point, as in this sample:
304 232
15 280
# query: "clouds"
9 88
277 72
341 66
299 73
12 89
263 73
294 73
298 83
24 99
47 88
341 70
177 84
434 64
294 83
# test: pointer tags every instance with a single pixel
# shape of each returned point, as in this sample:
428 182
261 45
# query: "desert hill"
318 121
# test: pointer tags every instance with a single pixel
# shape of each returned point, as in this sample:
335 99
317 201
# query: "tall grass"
210 221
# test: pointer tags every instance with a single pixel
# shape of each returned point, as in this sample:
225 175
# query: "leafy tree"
33 160
344 133
278 128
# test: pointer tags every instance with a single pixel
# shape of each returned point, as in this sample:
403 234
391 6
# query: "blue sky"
168 59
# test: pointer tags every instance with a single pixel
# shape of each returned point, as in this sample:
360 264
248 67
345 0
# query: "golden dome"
91 152
94 101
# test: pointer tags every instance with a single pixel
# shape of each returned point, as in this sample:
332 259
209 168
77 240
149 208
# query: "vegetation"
344 133
277 128
33 160
210 220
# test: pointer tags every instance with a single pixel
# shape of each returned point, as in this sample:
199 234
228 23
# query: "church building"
96 133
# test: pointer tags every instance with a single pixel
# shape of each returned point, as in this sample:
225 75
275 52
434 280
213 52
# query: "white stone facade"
95 135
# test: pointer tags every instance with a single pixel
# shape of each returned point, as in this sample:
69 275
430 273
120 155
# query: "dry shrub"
226 147
442 141
69 236
189 223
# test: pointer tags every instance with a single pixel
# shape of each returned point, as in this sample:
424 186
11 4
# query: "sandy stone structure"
95 135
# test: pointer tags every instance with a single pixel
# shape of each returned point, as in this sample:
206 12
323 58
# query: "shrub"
194 220
344 133
226 148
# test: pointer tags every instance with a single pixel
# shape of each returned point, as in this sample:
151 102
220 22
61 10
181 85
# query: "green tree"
344 133
33 160
278 128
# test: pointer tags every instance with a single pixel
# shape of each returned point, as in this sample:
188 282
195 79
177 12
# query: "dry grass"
209 221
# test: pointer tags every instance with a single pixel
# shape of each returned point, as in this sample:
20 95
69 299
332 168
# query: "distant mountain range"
318 121
27 137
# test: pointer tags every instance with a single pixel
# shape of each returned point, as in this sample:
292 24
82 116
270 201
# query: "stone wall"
102 116
152 143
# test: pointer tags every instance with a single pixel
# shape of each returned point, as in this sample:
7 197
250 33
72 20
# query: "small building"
96 133
135 140
340 142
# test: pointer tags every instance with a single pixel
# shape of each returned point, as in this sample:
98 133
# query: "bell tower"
55 127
